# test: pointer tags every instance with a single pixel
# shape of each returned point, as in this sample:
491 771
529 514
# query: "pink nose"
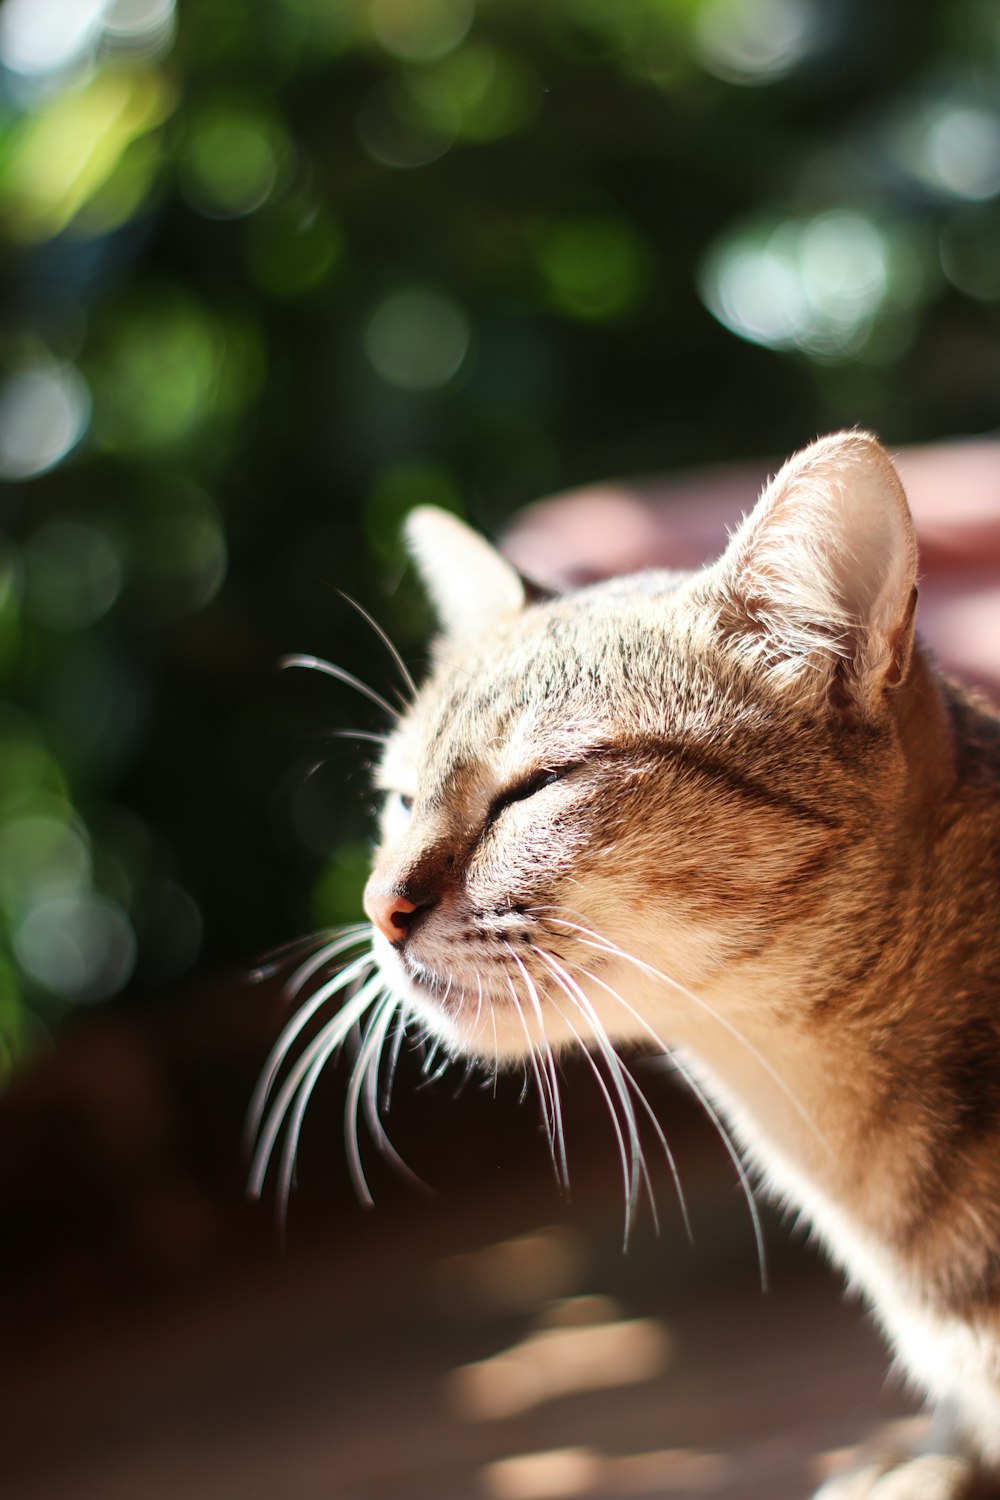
390 913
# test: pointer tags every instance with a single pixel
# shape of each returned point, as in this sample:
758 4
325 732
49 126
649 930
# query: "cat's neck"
829 1058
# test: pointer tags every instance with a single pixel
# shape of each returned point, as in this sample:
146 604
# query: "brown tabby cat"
739 811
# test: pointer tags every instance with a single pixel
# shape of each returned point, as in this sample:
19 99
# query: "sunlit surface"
543 1476
559 1361
513 1276
582 1471
417 339
44 413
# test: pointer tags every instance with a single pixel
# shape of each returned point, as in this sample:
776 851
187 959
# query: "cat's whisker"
290 1146
281 1048
619 1073
383 636
438 1073
398 1037
628 1173
371 1045
279 957
479 1004
496 1050
324 1043
716 1120
559 1160
329 669
342 940
531 1060
640 1095
370 736
387 1013
668 1051
592 939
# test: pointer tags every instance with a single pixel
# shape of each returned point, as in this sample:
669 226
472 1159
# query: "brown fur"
769 795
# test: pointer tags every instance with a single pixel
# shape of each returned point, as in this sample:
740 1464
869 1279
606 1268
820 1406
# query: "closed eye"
522 790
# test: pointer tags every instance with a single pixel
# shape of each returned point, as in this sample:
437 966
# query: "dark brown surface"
221 1367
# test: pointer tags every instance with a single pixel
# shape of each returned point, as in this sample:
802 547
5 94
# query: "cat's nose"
391 913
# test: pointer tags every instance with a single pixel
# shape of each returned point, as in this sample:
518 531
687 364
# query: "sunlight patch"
561 1362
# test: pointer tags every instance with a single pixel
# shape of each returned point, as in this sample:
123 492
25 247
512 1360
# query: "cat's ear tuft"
469 584
819 583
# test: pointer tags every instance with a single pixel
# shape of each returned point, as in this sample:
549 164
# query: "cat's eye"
522 790
396 813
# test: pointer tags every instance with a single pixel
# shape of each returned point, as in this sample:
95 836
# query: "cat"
739 815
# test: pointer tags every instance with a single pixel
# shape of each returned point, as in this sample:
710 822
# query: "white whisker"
279 957
397 1045
404 670
347 937
628 1175
559 1142
592 939
618 1072
280 1050
325 1042
650 1112
532 1062
713 1115
370 736
371 1046
317 664
387 1013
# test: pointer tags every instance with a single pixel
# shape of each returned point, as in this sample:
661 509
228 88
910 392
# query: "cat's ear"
470 585
819 583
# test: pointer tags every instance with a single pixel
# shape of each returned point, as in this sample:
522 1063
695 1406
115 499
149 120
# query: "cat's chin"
467 1018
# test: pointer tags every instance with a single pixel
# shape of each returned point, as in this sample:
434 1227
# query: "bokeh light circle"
42 857
46 36
420 32
233 159
44 412
73 575
80 947
417 339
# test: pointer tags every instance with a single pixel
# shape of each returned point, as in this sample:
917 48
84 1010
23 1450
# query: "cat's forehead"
556 681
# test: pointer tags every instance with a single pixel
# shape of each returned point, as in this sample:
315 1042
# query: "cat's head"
601 803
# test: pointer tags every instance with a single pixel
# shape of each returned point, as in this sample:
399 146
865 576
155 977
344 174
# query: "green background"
276 271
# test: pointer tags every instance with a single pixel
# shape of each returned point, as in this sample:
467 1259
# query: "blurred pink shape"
682 522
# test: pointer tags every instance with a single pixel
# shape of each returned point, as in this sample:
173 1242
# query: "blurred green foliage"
276 271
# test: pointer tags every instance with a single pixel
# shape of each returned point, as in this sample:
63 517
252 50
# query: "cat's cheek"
418 1007
495 1034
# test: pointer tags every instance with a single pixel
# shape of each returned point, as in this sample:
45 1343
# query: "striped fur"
772 840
